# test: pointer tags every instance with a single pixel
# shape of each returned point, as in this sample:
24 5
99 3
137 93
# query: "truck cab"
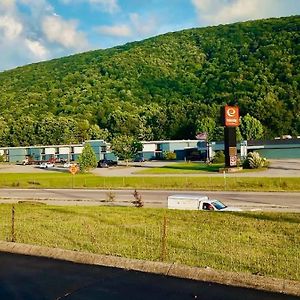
212 205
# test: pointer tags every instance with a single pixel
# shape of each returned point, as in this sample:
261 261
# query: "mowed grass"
254 242
65 180
183 168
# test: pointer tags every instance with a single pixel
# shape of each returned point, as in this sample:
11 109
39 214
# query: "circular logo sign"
231 116
231 112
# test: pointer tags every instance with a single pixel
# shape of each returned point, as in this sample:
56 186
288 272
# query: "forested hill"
166 87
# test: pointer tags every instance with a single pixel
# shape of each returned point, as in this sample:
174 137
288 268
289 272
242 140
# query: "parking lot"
277 168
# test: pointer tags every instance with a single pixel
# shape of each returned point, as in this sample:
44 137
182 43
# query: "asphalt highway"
267 201
36 278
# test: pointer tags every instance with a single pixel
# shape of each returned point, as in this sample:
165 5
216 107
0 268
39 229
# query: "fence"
219 182
259 243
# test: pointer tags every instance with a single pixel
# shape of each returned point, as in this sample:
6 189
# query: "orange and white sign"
232 116
73 169
233 161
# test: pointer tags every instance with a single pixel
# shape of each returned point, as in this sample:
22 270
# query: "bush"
255 161
110 197
167 155
137 202
219 157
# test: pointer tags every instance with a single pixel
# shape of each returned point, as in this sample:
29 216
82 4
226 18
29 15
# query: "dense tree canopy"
126 147
160 88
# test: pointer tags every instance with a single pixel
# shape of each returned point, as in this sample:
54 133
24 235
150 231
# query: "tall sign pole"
231 120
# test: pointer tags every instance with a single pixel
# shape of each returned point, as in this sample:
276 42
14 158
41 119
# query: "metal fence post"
13 235
164 240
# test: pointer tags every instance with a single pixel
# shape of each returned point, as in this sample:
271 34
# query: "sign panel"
232 151
232 116
73 169
233 161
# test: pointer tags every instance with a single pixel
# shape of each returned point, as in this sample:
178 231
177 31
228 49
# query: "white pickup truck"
197 202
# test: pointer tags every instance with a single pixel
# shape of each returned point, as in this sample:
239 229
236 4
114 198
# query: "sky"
38 30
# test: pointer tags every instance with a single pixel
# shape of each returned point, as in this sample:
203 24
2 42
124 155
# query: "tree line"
167 87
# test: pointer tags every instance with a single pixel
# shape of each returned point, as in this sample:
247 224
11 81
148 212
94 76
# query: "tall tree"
251 128
87 159
126 147
207 125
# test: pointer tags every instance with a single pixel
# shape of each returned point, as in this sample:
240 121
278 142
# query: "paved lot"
30 278
278 168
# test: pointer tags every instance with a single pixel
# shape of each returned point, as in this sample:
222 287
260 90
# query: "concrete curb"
169 269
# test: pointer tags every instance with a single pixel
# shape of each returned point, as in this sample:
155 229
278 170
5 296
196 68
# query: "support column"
230 147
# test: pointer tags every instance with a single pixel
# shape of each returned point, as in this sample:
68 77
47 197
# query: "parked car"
139 159
68 164
46 165
102 164
105 163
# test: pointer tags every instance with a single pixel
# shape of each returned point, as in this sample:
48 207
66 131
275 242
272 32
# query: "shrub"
255 161
167 155
137 202
219 157
110 197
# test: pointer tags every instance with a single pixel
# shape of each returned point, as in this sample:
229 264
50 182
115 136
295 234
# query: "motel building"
59 152
188 150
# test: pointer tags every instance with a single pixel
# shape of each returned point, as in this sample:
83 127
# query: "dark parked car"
139 159
105 163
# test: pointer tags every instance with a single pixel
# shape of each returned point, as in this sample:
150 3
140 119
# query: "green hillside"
166 87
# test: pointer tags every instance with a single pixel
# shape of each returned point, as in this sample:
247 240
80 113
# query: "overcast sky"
37 30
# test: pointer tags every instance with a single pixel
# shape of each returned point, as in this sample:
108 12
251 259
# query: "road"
278 201
36 278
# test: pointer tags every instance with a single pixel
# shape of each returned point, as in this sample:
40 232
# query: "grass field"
259 243
65 180
183 168
191 168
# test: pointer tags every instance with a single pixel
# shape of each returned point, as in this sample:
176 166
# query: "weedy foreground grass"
254 242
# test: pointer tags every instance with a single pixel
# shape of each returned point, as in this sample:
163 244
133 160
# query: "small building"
270 149
277 148
156 149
